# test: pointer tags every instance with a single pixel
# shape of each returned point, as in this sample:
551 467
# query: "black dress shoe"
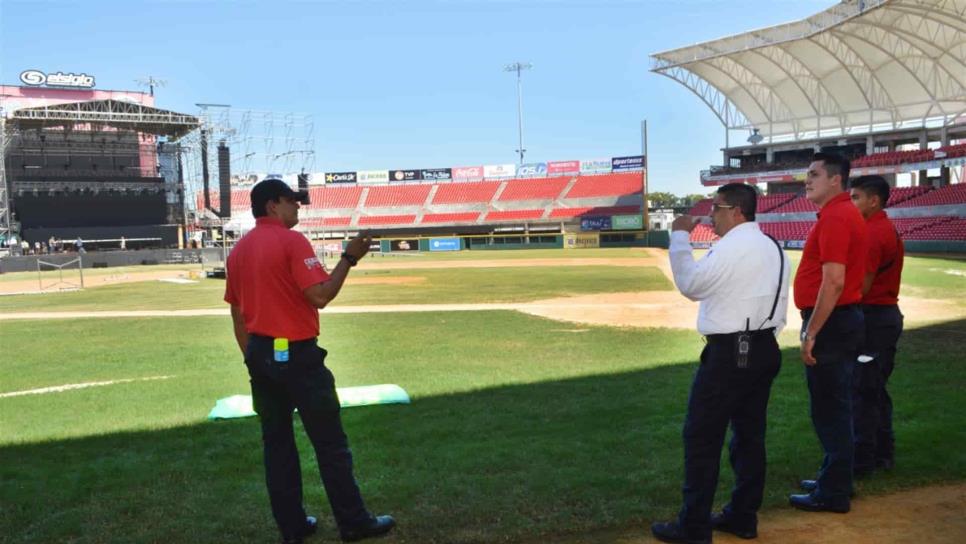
721 522
376 526
311 526
812 485
810 503
670 531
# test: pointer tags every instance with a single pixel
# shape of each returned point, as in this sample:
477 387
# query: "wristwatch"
350 259
804 337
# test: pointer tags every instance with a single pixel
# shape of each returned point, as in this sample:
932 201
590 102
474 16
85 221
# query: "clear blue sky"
396 84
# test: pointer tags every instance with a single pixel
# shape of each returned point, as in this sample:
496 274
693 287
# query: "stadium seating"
951 228
787 230
562 213
332 197
606 185
907 225
397 195
796 205
952 151
533 189
950 194
770 202
466 193
513 215
457 217
888 158
369 220
897 195
701 208
703 233
317 222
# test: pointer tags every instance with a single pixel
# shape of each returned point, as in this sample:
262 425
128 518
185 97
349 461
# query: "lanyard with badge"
743 344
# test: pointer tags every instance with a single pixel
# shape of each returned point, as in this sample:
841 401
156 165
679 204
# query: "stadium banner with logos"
627 222
499 170
595 166
595 223
405 175
404 245
467 173
36 78
437 174
444 244
556 168
532 170
632 162
373 176
340 177
581 241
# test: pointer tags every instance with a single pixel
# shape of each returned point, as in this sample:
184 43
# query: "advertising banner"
444 244
595 166
464 173
633 162
499 170
373 176
340 177
555 168
627 222
437 174
595 223
532 170
795 244
404 245
581 241
405 175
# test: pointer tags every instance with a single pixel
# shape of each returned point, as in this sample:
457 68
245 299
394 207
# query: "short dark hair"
873 185
744 197
835 165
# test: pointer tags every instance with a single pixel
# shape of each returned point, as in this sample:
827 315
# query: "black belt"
871 308
730 337
844 307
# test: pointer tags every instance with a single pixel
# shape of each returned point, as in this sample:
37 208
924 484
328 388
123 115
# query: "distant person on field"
123 243
828 291
871 404
742 283
79 245
275 287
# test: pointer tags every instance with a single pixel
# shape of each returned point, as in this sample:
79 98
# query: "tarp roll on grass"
364 395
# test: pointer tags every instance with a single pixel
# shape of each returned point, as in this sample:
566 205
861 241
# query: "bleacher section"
701 208
513 215
703 233
397 195
770 202
466 193
898 195
457 217
951 228
533 189
606 185
796 205
787 230
330 197
950 194
382 220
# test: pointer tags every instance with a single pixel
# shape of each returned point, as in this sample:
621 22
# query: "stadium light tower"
519 67
151 82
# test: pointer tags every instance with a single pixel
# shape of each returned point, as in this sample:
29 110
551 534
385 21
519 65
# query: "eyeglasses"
716 207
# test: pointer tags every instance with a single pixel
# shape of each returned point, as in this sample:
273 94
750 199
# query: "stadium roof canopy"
113 113
857 67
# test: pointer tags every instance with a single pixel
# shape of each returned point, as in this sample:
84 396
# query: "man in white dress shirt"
742 284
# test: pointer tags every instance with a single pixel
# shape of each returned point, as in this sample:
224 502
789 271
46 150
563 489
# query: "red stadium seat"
629 183
465 193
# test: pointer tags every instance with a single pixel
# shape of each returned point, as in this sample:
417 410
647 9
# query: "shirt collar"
878 216
837 199
266 220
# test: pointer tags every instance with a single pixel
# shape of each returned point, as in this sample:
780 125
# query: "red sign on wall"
563 167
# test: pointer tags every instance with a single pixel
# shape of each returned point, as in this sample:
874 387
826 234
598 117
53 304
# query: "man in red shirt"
871 404
276 286
828 289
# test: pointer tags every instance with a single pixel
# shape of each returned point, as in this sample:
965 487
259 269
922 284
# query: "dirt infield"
932 515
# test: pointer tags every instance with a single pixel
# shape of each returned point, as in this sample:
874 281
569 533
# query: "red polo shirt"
267 271
839 236
886 256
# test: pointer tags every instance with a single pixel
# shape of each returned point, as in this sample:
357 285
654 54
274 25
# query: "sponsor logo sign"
627 222
595 166
444 244
632 162
340 177
404 245
563 167
499 170
532 170
440 174
373 176
595 223
36 78
467 172
581 241
795 244
405 175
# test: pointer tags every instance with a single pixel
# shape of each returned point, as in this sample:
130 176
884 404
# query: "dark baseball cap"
272 189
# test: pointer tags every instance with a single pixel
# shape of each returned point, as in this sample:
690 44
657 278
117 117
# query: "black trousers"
830 391
721 394
306 384
872 405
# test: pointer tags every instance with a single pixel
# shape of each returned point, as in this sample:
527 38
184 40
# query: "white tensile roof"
856 67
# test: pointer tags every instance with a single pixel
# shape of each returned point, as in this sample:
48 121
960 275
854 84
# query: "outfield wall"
105 259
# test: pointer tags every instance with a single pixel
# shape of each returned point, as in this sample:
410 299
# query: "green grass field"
520 427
